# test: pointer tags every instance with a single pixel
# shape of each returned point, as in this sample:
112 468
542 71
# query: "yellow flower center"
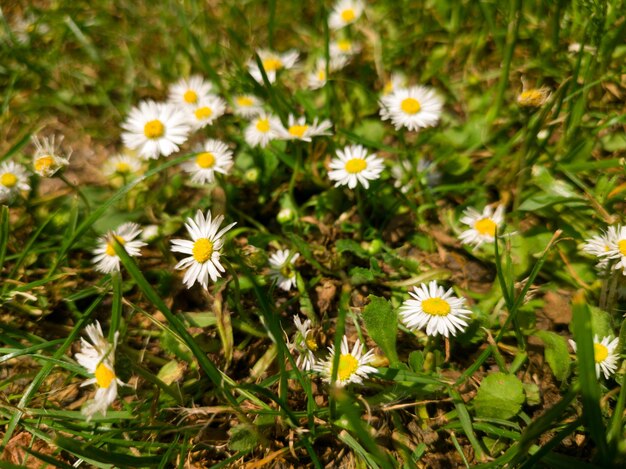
321 75
110 249
104 375
202 250
621 245
311 343
533 97
8 180
122 167
203 113
485 227
344 45
286 271
263 125
348 365
410 106
348 15
44 163
436 307
298 130
355 165
190 97
272 64
244 101
154 129
600 352
205 160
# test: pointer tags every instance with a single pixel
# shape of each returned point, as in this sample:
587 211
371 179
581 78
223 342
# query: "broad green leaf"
557 354
242 438
500 396
382 325
352 246
171 372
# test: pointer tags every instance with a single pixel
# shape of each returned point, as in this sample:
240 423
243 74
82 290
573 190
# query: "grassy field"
469 271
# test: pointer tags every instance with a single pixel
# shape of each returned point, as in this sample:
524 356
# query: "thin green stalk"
76 189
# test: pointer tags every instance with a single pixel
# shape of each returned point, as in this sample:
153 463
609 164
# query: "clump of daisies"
303 344
282 270
272 63
48 158
353 364
263 129
415 107
203 249
299 129
434 309
213 156
344 13
13 180
98 358
353 165
482 225
106 260
604 354
155 129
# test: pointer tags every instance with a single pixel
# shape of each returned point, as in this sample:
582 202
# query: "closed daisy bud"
282 270
415 107
13 180
604 354
213 157
189 92
106 259
203 249
353 365
155 129
98 357
272 63
482 225
48 159
345 12
353 166
434 309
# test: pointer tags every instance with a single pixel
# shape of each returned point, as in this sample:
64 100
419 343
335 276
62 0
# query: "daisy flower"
344 48
396 81
281 269
404 174
272 63
155 129
617 247
48 159
106 259
604 355
345 12
262 129
206 111
318 78
213 157
602 245
482 225
298 129
533 97
122 165
304 344
353 365
432 307
188 92
246 105
414 108
353 165
98 357
203 249
13 179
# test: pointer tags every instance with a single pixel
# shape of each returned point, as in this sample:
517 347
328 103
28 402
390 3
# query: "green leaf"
171 372
556 353
500 396
349 245
360 275
242 438
382 325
